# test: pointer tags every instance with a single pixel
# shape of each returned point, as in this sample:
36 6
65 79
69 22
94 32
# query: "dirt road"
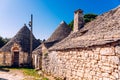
11 75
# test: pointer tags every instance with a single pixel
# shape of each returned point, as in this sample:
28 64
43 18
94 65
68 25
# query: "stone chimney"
78 20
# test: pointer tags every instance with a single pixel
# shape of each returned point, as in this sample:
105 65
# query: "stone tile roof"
23 39
104 29
38 50
60 33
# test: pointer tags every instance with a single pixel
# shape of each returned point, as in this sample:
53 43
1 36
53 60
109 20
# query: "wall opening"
15 59
15 55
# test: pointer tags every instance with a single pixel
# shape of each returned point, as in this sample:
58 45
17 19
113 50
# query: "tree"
87 18
71 24
43 40
3 41
6 40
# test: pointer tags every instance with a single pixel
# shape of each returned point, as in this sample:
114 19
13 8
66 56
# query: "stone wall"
6 58
93 63
37 61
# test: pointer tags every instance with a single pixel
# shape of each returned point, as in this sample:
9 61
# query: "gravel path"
11 75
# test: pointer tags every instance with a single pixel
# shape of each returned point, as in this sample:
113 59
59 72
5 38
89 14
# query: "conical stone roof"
59 34
23 39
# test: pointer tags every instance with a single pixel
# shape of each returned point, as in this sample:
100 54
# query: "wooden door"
16 59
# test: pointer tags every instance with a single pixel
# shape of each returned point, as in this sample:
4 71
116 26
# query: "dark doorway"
15 59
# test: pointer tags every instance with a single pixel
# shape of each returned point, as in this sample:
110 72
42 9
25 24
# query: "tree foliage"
87 18
71 24
3 41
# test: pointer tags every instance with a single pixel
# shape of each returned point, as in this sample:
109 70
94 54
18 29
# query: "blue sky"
47 14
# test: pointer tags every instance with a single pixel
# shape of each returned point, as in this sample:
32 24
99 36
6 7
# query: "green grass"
27 72
30 72
45 79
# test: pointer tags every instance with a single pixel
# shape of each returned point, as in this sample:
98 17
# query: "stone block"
105 74
103 58
96 68
106 64
114 59
100 78
116 75
112 77
86 55
106 69
119 67
91 55
98 73
80 74
96 50
107 51
105 78
92 72
87 75
117 50
95 78
96 56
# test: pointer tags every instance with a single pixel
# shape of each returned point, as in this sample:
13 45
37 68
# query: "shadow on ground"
3 79
4 70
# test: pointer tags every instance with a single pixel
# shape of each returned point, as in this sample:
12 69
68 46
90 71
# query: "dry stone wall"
93 63
6 58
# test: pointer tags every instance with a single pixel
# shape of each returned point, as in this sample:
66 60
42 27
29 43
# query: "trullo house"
62 31
91 52
15 52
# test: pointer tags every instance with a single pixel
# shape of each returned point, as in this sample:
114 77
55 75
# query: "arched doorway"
15 55
15 59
